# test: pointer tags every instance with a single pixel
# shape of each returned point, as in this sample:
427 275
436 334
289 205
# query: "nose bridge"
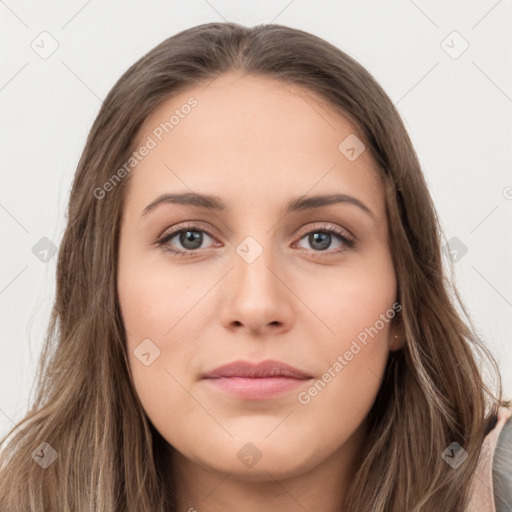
253 263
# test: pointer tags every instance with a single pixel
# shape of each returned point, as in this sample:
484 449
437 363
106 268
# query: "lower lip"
256 388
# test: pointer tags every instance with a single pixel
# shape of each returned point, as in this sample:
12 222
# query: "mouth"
263 380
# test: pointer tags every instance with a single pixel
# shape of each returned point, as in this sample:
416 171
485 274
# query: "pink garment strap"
482 497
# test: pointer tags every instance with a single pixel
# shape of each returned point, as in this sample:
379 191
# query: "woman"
251 308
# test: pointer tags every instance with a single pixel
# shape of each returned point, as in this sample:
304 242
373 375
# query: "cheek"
359 309
152 297
356 297
157 309
355 357
158 352
344 393
145 307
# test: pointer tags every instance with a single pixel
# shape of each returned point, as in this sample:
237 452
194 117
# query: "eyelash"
323 228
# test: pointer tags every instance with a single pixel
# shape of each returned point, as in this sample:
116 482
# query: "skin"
256 143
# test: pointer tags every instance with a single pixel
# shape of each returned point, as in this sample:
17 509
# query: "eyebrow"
216 203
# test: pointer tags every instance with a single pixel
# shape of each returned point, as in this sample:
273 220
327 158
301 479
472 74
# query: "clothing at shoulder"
502 469
491 489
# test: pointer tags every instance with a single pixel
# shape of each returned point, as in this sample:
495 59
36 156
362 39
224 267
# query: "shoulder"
502 469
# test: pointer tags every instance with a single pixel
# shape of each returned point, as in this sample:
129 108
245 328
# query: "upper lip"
268 368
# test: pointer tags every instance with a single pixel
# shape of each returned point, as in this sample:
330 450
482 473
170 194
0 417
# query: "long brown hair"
110 457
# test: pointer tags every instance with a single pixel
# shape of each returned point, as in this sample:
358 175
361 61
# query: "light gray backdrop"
446 66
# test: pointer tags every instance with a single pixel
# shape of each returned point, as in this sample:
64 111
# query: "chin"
254 460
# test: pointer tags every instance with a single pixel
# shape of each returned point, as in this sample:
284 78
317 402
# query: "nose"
257 296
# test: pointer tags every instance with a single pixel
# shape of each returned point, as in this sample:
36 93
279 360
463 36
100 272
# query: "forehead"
254 136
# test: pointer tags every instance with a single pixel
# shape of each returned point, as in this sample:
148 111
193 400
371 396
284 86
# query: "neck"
321 487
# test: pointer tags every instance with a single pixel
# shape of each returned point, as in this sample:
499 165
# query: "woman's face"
272 275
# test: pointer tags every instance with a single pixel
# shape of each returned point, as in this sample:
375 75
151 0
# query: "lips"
264 369
250 381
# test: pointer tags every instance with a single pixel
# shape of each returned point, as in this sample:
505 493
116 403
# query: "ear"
397 340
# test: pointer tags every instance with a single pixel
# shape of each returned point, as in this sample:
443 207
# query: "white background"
458 112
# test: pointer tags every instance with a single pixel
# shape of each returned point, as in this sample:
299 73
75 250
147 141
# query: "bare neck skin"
322 488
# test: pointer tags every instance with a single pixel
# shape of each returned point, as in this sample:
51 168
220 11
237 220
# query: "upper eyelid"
191 225
321 226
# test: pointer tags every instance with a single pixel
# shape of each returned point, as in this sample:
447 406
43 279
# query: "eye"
190 238
321 238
